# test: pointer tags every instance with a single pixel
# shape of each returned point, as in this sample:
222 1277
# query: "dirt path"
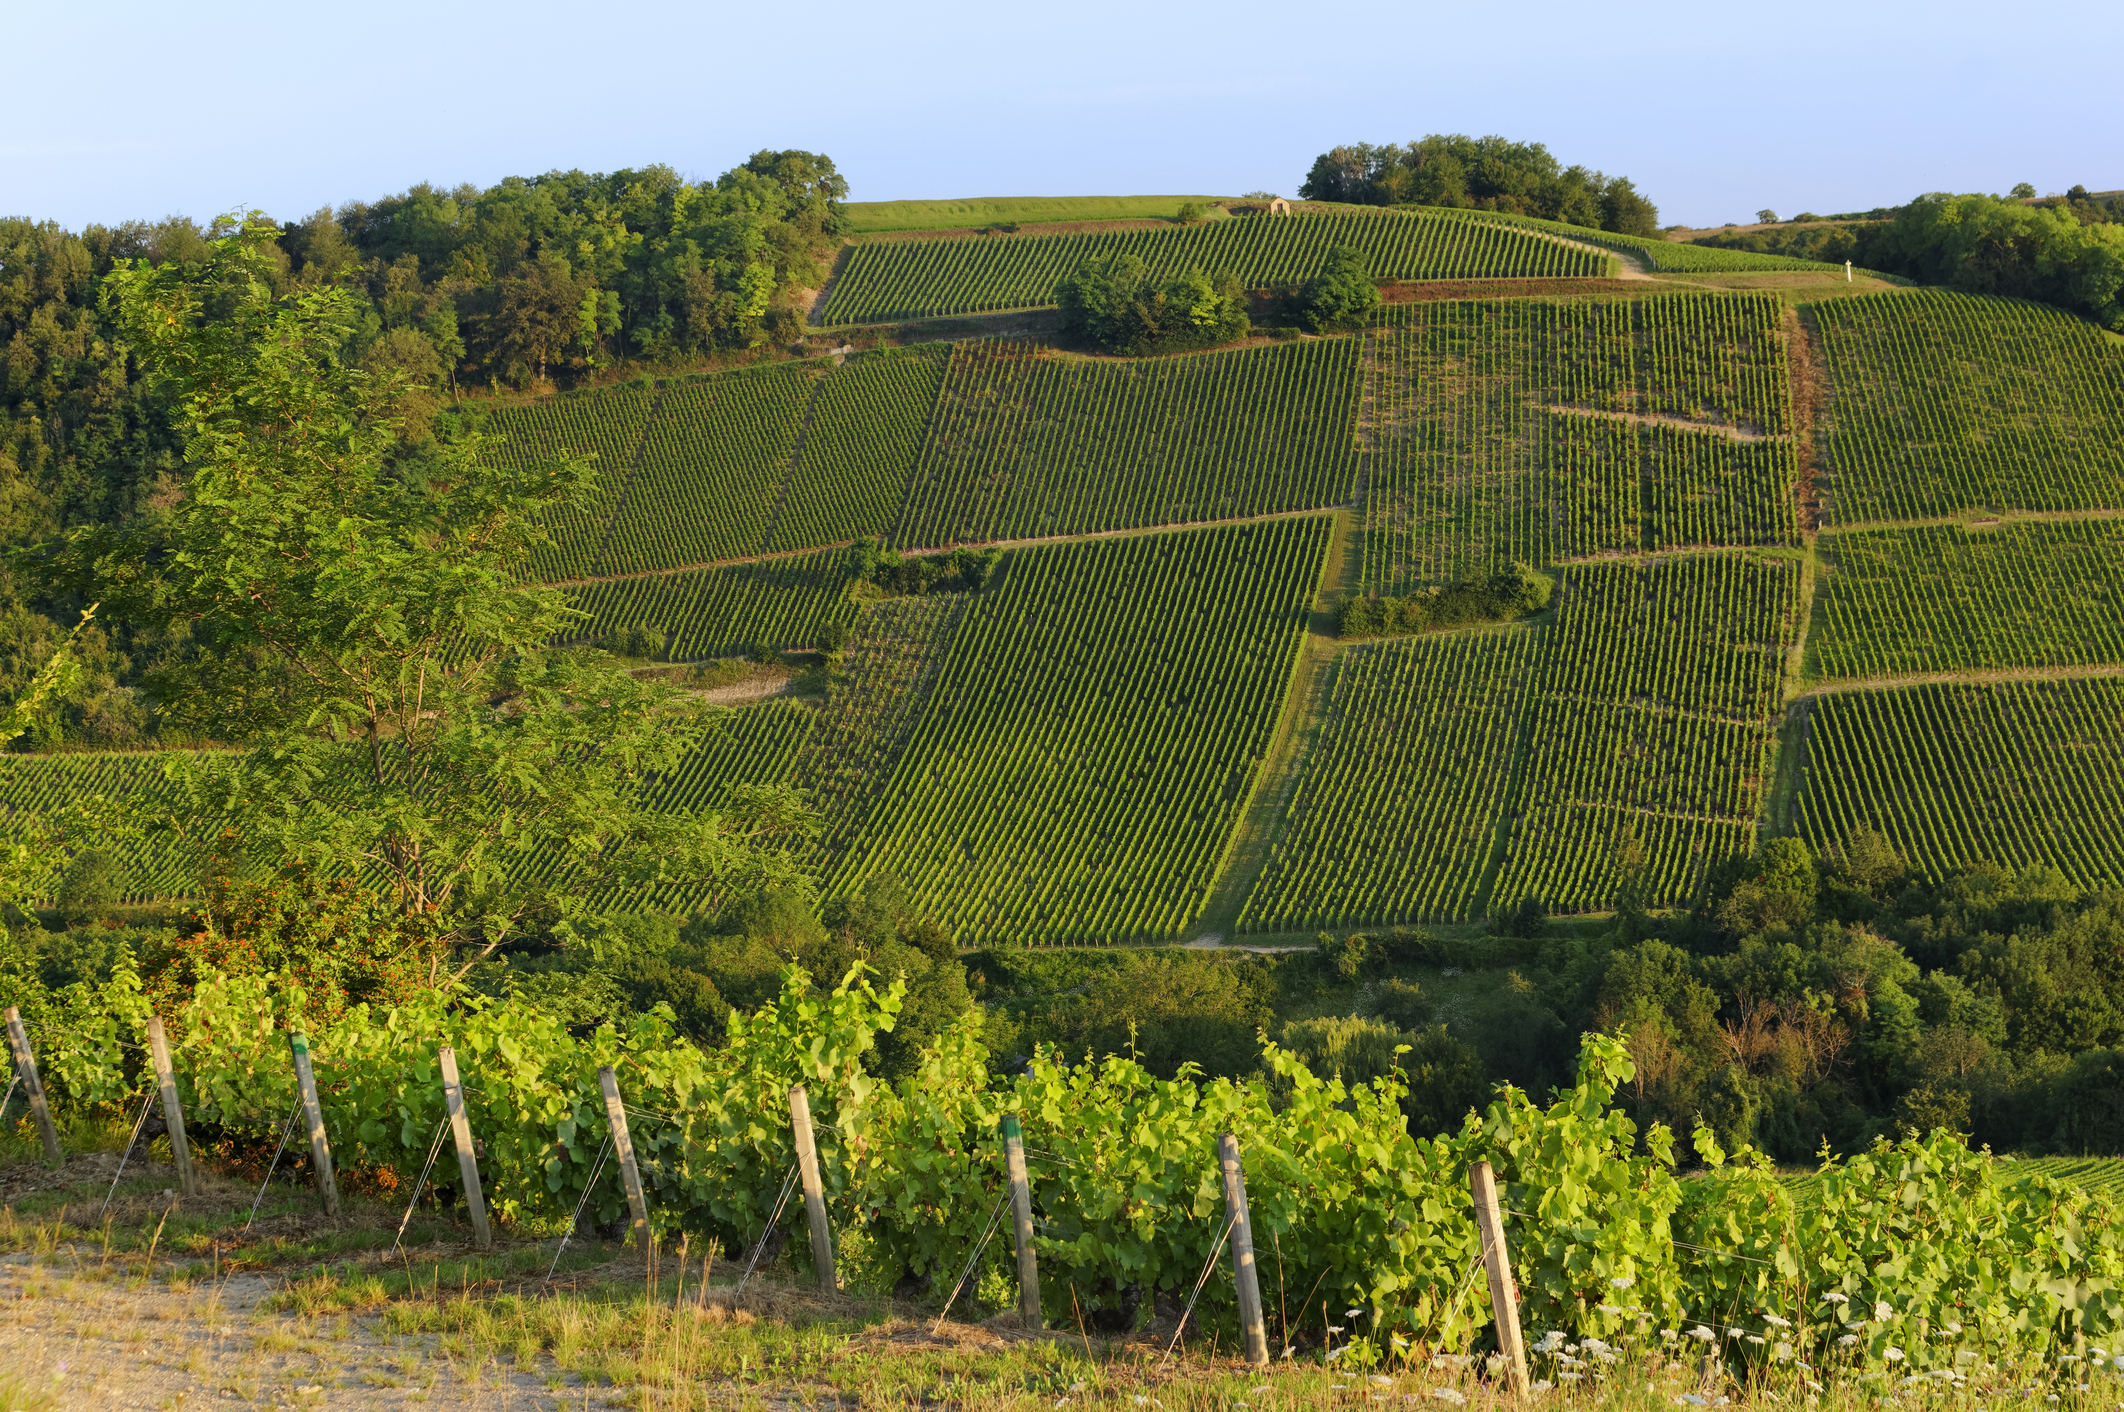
1304 704
1732 431
1978 676
1627 264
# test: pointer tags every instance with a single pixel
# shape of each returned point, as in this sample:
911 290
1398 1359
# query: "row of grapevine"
1697 632
865 434
1947 1255
1396 813
1478 454
1938 598
2015 774
1027 444
718 612
1650 728
1950 402
604 427
712 463
1096 732
914 279
1677 256
149 865
883 681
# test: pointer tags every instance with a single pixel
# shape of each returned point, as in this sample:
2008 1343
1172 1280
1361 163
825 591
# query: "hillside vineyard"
1819 561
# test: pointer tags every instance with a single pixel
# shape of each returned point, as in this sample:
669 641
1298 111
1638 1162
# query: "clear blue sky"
144 110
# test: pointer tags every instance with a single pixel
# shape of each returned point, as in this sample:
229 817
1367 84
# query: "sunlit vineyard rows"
924 278
712 464
605 427
1397 811
1950 402
719 612
752 745
1651 727
865 435
2104 1174
1029 444
883 681
149 865
1472 460
1098 728
1939 598
2012 773
1677 256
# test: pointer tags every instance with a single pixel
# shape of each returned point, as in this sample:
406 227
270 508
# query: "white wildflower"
1335 1328
1782 1353
1452 1395
1700 1332
1669 1335
1622 1282
1378 1381
1846 1340
1892 1354
1776 1322
1833 1297
1881 1311
1951 1327
1354 1313
1756 1339
1595 1347
1609 1309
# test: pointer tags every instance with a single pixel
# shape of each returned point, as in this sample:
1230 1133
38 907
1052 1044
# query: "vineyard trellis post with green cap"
1021 1223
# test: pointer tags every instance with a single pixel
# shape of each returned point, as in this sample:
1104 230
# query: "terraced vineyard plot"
2105 1174
1704 632
1096 733
1676 256
883 681
2013 774
1482 449
1950 402
605 426
150 867
751 745
1651 728
1397 812
914 279
1941 598
719 612
712 464
865 436
1026 444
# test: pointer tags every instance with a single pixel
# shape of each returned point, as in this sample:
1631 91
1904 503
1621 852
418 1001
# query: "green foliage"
963 570
1900 762
1016 812
791 603
913 279
1983 245
1027 444
1931 421
1117 305
1488 446
1340 295
370 639
1488 174
1394 815
1935 598
1509 593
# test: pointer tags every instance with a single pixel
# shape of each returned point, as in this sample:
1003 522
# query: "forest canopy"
1479 173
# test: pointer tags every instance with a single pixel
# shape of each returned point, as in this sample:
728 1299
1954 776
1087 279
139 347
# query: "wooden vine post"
630 1174
32 1086
814 1189
467 1159
1021 1224
1243 1272
172 1108
313 1118
1504 1292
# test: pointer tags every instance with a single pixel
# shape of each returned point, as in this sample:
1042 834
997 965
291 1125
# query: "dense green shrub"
1341 294
1116 304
